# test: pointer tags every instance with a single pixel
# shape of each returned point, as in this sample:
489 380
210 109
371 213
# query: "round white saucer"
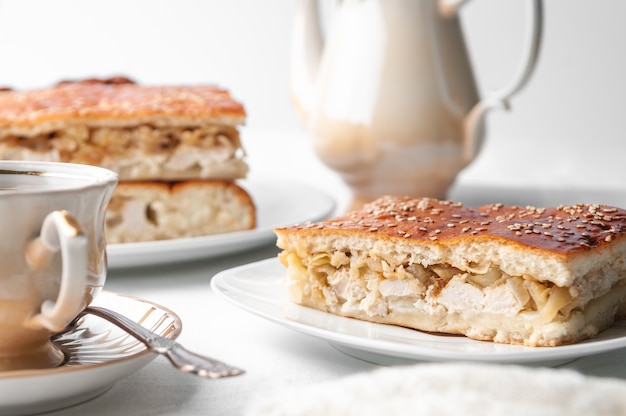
97 355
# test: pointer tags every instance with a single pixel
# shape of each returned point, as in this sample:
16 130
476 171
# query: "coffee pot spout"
306 51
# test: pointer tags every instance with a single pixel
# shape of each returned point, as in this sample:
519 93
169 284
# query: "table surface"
273 356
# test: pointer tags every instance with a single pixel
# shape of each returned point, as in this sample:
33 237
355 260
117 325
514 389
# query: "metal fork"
179 356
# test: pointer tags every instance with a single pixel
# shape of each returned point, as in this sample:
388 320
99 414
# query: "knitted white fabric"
444 389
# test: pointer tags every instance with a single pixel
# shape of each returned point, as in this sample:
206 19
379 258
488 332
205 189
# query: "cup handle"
500 98
60 231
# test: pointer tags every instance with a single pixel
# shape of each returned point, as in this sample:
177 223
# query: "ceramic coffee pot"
388 93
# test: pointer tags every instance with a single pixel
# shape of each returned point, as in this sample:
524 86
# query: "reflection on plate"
277 204
258 288
98 355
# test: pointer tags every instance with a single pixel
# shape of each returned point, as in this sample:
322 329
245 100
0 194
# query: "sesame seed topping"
563 228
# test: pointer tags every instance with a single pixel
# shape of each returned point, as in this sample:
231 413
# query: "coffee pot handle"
60 231
474 120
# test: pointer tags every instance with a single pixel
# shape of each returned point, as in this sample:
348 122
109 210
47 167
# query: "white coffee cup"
52 251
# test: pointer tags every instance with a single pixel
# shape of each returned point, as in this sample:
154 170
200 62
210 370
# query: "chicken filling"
173 147
355 281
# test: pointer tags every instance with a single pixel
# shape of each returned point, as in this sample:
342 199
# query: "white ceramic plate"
277 204
258 288
97 355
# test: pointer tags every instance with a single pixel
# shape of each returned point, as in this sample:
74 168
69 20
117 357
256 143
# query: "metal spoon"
179 356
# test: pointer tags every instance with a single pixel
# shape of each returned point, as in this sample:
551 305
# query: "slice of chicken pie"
518 275
176 148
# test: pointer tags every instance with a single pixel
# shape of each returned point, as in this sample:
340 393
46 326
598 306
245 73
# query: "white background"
565 127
